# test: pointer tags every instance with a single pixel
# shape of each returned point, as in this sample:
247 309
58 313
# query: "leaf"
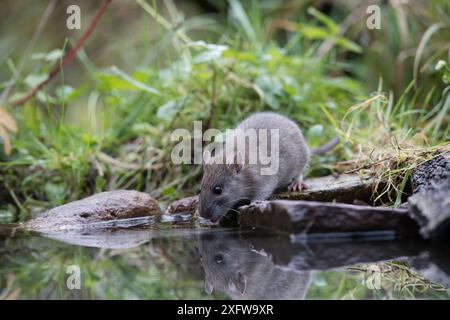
318 33
423 45
241 56
133 82
207 56
65 92
442 66
332 27
34 79
44 97
271 88
349 45
7 120
54 55
169 191
315 131
50 56
237 13
212 51
110 81
313 32
56 193
168 110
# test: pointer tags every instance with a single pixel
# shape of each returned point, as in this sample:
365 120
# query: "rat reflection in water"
233 267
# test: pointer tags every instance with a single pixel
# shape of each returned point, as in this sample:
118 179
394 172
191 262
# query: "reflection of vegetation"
162 269
397 281
113 131
169 268
400 281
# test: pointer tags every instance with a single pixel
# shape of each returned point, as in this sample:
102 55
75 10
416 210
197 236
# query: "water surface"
217 264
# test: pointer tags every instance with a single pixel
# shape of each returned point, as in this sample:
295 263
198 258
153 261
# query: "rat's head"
224 187
223 257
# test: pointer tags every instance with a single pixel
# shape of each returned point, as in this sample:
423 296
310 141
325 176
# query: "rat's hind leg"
297 184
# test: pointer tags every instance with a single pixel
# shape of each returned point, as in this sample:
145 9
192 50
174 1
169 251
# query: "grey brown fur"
244 183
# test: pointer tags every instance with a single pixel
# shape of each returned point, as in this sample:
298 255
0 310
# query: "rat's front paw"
297 185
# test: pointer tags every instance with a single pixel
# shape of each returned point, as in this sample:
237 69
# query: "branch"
67 58
36 35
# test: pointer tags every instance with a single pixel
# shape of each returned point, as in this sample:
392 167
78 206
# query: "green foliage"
113 131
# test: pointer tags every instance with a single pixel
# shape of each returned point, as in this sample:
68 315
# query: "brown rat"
229 184
233 267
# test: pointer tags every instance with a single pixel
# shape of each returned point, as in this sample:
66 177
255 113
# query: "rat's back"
293 151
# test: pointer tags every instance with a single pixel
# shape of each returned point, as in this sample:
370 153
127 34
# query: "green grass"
113 130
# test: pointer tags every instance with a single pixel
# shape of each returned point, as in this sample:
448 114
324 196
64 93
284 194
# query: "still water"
217 264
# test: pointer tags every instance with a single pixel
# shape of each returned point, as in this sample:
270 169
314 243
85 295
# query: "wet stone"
103 210
183 206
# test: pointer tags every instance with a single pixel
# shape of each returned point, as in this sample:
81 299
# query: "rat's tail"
326 147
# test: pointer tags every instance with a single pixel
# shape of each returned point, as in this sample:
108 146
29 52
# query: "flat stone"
346 188
100 211
183 206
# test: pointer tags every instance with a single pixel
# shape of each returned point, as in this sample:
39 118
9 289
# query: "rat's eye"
217 190
218 258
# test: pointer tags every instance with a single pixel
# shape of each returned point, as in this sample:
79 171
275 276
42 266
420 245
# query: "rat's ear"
208 286
238 163
212 153
235 167
207 157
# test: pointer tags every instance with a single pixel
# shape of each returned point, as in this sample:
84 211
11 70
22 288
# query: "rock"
431 173
183 206
346 188
430 203
182 213
431 210
103 210
310 217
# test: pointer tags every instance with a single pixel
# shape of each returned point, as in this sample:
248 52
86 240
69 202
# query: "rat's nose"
203 210
204 213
